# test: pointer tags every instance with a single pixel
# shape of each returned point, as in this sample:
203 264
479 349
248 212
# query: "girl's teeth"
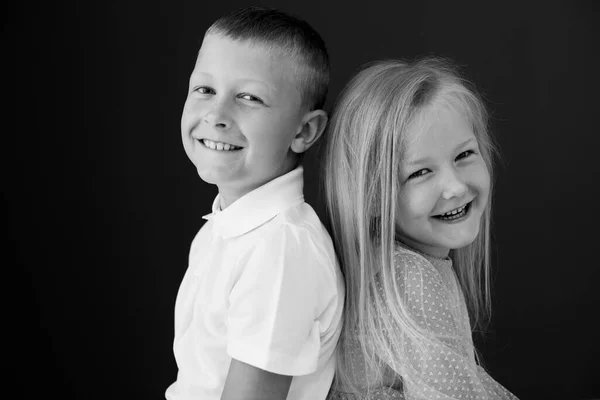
455 211
454 214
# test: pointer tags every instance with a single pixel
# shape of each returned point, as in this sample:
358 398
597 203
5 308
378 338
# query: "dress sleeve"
276 304
384 393
443 367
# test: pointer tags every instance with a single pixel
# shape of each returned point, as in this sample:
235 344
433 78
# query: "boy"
258 313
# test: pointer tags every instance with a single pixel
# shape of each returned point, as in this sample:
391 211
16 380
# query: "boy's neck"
225 201
228 195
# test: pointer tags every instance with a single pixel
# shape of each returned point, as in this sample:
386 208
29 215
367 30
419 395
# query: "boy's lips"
218 145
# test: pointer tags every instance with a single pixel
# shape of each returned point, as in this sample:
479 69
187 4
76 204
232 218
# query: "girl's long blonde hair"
363 153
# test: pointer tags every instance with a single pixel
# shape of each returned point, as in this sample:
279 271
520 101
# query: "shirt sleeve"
274 306
445 366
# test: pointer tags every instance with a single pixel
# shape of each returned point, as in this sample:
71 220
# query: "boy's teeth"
219 146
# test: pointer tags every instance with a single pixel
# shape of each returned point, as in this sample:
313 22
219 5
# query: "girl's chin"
462 241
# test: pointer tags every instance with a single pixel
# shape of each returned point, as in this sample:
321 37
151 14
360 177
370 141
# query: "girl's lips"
453 211
458 214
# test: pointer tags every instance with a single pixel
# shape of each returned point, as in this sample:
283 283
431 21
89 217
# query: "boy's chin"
208 177
229 185
217 175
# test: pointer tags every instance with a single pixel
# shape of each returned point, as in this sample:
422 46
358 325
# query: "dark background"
102 203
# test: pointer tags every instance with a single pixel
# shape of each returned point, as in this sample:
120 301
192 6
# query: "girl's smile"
445 183
456 215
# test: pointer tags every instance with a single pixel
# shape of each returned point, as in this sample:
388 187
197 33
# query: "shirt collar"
258 206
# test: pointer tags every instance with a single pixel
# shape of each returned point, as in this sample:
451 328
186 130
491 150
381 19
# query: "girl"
408 183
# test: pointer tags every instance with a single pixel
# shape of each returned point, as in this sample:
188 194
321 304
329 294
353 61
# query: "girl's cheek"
481 175
421 200
477 175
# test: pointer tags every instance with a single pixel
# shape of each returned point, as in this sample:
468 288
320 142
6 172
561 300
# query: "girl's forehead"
437 130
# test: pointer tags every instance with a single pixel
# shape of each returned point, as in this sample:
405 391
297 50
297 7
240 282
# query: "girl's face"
444 184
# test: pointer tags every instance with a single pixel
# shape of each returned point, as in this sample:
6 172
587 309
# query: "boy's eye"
419 173
464 154
204 90
249 97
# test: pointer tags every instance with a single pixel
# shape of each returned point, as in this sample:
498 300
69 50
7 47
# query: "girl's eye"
204 90
465 154
249 97
419 173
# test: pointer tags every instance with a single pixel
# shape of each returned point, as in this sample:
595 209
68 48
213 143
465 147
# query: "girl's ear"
313 125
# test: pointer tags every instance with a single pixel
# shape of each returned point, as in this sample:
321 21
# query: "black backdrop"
101 202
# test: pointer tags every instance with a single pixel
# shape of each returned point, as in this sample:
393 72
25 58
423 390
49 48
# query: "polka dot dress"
445 368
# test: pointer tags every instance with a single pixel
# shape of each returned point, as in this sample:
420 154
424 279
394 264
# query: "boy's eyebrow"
198 74
424 160
265 85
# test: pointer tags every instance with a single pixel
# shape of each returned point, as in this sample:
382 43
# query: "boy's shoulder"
302 216
300 223
296 233
308 229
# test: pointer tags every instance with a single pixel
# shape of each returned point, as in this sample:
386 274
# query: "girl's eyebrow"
425 160
419 161
466 142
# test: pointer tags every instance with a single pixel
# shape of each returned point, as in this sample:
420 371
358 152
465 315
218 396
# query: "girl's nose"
453 186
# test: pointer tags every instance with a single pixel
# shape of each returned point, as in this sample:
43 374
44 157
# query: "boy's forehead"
220 44
246 59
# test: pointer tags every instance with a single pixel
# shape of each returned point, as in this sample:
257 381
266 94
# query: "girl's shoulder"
408 259
415 269
406 255
427 291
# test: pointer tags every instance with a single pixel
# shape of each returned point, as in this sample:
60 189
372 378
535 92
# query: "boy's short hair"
288 34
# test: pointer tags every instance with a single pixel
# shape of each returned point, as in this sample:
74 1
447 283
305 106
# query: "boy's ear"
313 125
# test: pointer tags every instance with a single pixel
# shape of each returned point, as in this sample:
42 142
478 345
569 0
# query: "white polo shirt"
263 286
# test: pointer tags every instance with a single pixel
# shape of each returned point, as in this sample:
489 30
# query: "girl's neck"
437 253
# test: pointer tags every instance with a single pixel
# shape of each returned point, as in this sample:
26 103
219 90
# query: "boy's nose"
217 117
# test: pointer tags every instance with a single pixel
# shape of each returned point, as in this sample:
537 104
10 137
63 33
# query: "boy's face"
242 111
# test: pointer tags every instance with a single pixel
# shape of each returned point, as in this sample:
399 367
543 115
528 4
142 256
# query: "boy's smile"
243 109
219 146
445 184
